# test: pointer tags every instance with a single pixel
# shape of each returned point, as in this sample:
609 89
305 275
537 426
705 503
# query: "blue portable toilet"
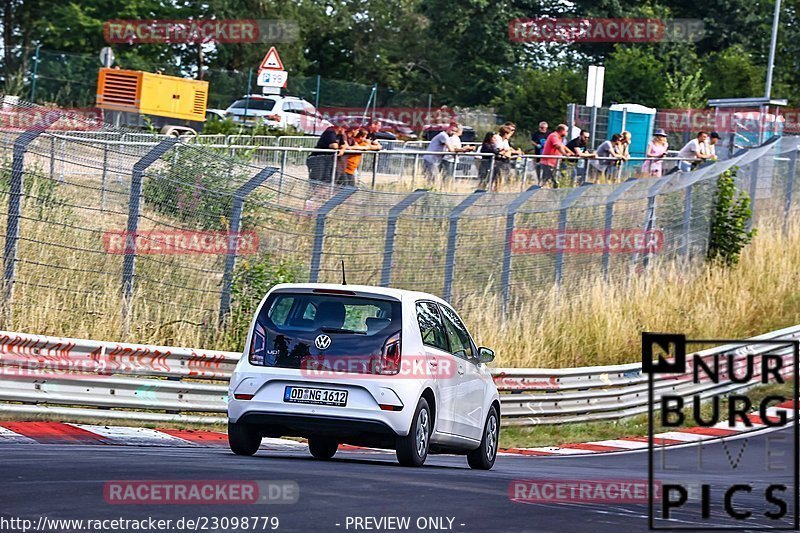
635 118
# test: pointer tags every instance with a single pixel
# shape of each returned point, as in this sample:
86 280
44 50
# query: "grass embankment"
599 323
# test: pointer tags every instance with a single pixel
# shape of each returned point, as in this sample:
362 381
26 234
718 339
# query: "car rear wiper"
345 331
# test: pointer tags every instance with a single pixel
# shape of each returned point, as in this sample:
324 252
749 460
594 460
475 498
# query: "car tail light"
390 356
243 396
276 118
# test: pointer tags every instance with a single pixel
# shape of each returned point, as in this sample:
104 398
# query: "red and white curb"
679 436
69 433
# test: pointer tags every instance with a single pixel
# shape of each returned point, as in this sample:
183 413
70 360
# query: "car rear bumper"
303 425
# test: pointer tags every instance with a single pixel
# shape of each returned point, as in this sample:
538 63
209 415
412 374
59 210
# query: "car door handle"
460 371
433 363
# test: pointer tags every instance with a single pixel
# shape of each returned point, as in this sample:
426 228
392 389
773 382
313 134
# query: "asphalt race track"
67 481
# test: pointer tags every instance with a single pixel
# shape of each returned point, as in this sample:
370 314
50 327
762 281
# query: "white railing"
104 380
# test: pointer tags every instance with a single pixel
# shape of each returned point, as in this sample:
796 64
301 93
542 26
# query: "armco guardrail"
105 380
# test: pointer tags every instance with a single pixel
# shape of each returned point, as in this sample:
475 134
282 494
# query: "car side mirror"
485 355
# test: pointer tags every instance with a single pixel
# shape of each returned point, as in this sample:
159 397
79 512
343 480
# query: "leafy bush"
198 188
38 191
252 279
729 220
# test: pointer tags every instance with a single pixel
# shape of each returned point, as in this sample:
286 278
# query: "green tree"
529 95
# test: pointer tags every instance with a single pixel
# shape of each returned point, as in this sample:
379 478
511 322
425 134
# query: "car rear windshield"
292 327
257 104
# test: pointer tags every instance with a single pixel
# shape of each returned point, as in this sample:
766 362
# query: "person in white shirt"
695 149
448 140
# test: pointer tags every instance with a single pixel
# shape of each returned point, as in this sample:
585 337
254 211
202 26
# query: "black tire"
412 450
322 447
243 439
482 458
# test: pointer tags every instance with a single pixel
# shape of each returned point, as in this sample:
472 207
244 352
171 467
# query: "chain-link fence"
155 237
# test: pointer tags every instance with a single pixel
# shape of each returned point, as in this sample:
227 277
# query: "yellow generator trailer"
136 99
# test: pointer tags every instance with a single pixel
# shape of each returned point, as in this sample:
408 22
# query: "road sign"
594 86
106 56
271 61
272 78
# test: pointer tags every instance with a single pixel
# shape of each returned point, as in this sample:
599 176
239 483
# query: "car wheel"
243 439
484 455
322 447
412 450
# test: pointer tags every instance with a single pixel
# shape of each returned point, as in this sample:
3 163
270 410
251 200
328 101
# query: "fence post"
687 219
650 216
511 212
752 192
450 254
391 226
134 203
374 167
319 233
593 127
103 177
52 158
14 213
568 202
621 189
787 206
233 238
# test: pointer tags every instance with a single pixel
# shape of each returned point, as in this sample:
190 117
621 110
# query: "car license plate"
336 398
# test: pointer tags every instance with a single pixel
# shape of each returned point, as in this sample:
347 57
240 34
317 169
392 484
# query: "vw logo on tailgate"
322 342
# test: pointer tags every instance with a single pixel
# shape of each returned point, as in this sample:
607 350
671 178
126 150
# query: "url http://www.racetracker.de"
196 523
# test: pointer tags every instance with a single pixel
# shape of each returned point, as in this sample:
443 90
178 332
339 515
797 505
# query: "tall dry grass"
600 323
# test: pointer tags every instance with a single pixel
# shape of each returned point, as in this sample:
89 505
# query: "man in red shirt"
553 146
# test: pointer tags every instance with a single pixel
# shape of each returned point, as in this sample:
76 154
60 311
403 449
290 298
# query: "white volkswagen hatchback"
367 366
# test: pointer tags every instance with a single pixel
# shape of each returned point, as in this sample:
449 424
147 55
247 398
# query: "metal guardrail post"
134 203
319 233
391 226
52 158
334 168
233 238
568 202
650 215
621 189
687 219
450 254
752 192
14 213
787 206
511 213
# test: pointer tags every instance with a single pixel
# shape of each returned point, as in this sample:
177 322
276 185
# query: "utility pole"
773 44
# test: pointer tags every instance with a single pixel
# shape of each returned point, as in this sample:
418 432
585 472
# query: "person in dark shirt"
320 164
489 146
539 137
580 147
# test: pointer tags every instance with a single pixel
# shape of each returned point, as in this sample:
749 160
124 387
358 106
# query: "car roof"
400 294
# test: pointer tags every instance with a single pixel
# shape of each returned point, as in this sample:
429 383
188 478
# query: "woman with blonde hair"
656 148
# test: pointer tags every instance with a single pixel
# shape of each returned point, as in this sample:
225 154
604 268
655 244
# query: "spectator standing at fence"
320 164
454 145
348 163
539 137
580 147
448 140
711 144
372 133
656 148
489 148
624 146
505 152
607 154
554 145
694 149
